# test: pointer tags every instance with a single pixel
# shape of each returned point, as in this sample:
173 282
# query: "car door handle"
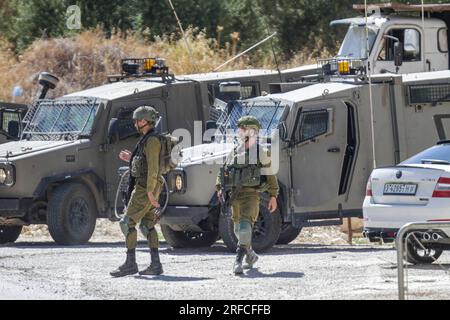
334 150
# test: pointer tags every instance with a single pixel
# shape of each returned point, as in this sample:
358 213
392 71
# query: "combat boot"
128 268
155 268
250 259
237 268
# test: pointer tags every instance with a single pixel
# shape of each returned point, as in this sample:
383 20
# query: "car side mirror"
282 129
398 54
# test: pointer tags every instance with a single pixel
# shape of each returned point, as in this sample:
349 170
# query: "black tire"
9 234
186 239
71 214
265 233
288 233
416 255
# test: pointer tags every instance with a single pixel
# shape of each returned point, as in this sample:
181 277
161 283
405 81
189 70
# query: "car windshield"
268 113
437 155
355 42
60 120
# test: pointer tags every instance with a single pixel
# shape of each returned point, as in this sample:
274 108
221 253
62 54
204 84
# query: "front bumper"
15 208
181 218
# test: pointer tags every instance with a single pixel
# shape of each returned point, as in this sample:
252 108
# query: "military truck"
11 116
381 100
63 171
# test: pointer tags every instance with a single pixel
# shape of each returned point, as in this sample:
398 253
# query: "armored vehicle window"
442 40
311 124
126 124
60 120
7 118
411 40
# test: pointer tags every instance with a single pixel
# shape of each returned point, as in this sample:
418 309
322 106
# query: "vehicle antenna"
369 72
184 36
423 28
244 52
275 57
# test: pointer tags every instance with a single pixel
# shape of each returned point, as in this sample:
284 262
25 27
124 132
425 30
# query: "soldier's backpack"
168 143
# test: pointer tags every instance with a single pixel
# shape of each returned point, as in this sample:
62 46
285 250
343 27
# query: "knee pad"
146 231
245 233
125 226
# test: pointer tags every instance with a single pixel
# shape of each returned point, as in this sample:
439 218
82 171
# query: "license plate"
405 189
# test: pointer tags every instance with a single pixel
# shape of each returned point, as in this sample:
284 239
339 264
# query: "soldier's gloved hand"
125 155
158 213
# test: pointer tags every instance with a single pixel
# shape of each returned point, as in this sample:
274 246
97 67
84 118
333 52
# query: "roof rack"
143 68
393 7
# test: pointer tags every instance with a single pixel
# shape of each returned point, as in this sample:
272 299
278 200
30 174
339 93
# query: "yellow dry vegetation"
86 59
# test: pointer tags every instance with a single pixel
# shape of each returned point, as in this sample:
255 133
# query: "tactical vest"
139 165
235 175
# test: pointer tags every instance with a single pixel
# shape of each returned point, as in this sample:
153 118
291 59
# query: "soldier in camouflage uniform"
143 206
242 173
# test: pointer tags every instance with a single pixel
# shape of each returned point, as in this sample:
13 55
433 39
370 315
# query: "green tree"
38 18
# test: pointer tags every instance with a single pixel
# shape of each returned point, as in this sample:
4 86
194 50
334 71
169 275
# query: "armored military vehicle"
63 171
11 116
382 99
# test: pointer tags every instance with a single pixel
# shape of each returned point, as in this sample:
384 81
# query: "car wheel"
71 214
9 234
288 233
266 231
416 254
187 239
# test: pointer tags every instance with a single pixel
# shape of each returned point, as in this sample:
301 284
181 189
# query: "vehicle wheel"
265 232
186 239
9 234
288 233
415 254
71 214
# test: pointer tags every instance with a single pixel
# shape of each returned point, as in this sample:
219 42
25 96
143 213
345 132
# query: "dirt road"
41 270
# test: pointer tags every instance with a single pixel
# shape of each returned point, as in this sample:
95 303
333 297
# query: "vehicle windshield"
435 155
60 120
355 42
268 113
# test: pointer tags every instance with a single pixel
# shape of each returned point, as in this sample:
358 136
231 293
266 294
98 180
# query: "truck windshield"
268 113
355 42
51 120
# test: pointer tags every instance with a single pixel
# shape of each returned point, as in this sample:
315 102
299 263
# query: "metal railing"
400 244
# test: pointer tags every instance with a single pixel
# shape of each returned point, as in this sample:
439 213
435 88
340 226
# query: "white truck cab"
395 38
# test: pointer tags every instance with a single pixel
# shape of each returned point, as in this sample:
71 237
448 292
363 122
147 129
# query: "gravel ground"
318 265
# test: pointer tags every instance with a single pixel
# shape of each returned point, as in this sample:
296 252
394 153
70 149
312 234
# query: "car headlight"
177 181
3 176
7 175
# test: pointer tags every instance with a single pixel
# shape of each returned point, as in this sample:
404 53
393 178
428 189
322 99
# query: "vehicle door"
411 41
123 136
319 142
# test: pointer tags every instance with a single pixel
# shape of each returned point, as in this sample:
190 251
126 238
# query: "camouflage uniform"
245 201
145 169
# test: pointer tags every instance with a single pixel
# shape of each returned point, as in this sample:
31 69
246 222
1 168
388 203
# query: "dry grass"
84 60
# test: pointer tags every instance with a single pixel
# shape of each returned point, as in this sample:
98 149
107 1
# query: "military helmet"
146 113
249 122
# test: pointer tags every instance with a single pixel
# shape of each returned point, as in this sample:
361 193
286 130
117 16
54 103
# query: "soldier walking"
240 182
146 184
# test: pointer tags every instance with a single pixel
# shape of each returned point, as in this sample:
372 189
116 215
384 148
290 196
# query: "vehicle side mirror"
211 125
282 128
398 54
113 130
